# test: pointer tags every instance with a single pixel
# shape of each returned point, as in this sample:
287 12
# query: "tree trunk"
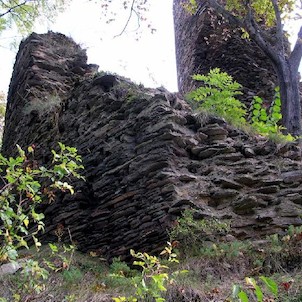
290 97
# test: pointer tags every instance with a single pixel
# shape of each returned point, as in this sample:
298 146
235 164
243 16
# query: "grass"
84 279
213 269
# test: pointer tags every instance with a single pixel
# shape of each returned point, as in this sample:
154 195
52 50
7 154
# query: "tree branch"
11 9
128 20
279 27
251 26
249 16
296 55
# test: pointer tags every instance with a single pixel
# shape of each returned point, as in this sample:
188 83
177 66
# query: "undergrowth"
213 270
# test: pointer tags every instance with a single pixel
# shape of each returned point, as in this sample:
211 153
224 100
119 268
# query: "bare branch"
249 16
279 27
128 20
296 55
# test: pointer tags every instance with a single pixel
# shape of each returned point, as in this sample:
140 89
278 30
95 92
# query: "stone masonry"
147 156
204 41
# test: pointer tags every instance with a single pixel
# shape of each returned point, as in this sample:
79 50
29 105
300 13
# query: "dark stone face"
106 82
147 157
205 41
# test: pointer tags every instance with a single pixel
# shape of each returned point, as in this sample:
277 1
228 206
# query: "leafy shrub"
25 184
230 250
32 277
24 188
118 267
217 96
152 282
270 285
64 256
189 231
268 123
73 275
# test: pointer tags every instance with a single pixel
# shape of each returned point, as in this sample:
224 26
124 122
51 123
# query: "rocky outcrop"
204 41
147 157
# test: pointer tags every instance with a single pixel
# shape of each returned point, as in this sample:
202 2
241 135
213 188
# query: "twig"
73 248
128 20
11 9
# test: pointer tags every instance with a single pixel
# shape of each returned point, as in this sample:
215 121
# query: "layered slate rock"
147 157
204 41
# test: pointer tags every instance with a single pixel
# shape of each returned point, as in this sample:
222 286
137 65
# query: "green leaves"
65 255
33 276
217 96
262 10
154 276
24 187
22 14
243 296
270 285
266 122
66 162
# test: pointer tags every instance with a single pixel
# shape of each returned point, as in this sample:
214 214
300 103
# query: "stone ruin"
147 156
205 41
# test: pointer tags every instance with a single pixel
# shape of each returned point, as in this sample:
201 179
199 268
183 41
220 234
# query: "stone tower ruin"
205 41
147 157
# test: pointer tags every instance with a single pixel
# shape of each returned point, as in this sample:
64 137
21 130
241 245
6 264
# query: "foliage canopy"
22 14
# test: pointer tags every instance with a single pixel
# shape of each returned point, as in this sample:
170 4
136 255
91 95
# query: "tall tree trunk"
289 93
286 68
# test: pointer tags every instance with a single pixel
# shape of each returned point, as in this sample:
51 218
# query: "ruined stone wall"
205 41
147 157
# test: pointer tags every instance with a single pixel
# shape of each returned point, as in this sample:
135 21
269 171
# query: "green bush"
118 267
154 278
267 122
23 188
217 96
72 276
26 184
190 232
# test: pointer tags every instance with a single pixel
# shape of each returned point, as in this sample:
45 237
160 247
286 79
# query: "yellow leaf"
250 281
93 254
26 222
